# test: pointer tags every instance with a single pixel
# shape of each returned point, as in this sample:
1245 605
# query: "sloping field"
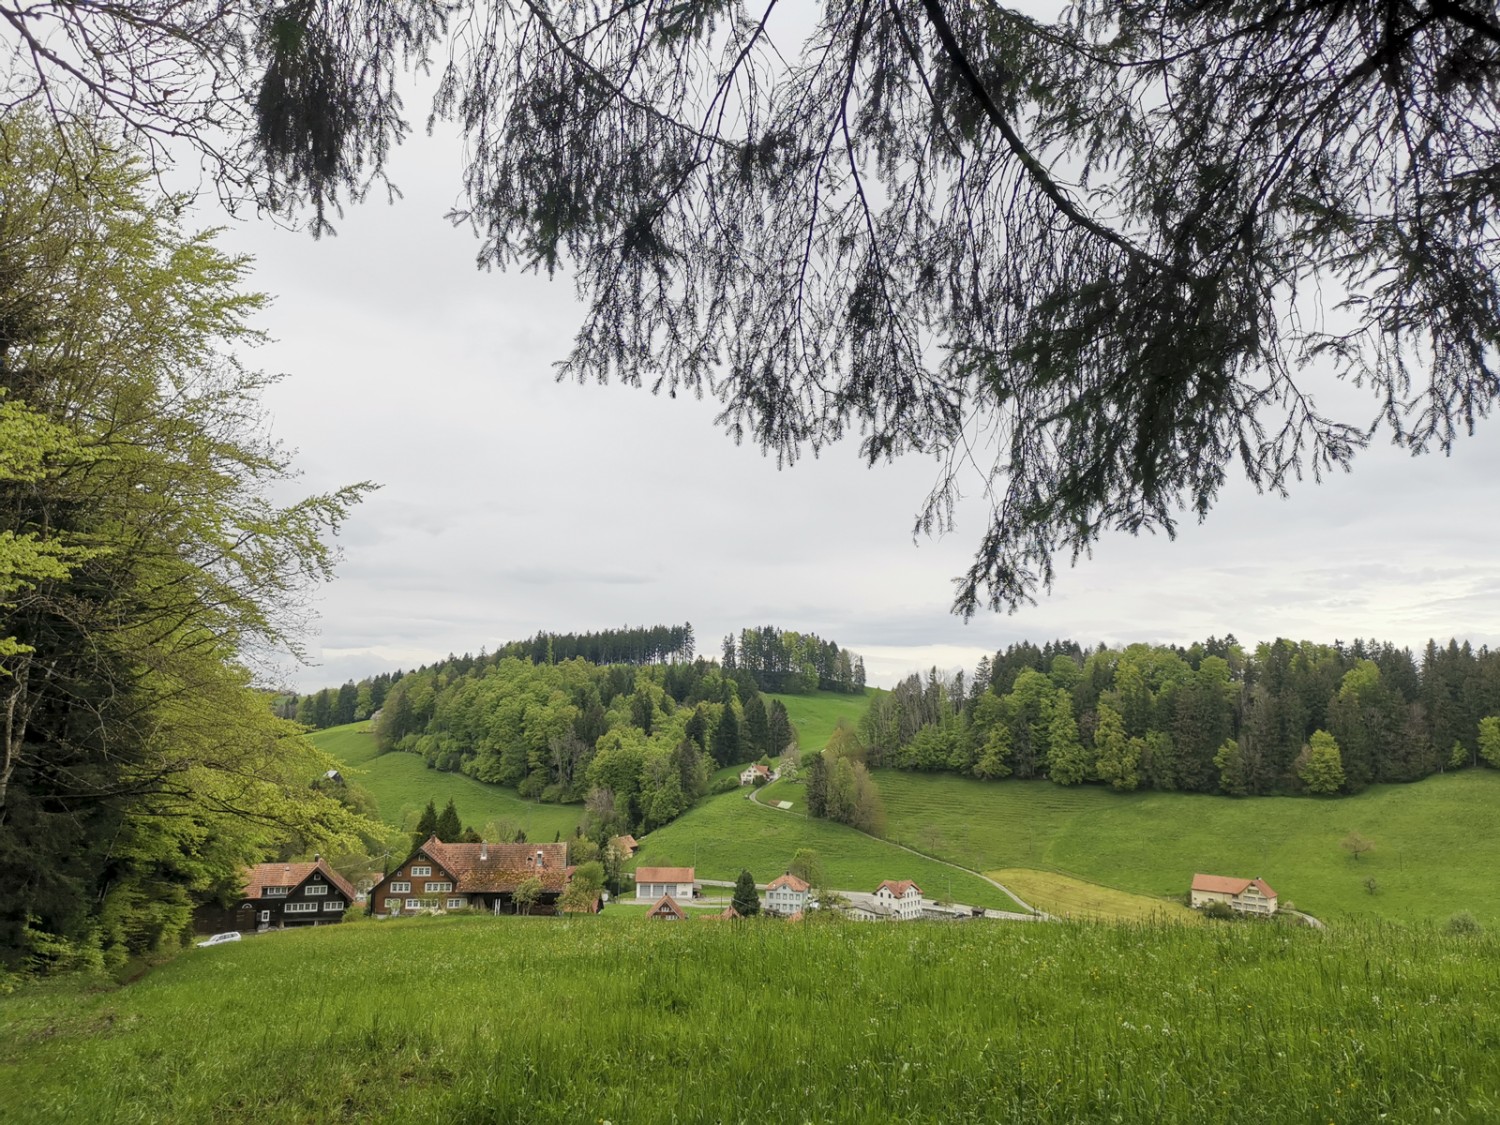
724 834
817 714
403 785
1072 899
471 1020
1436 844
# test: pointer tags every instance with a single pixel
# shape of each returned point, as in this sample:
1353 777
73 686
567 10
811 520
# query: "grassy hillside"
403 784
817 714
470 1020
726 833
1435 843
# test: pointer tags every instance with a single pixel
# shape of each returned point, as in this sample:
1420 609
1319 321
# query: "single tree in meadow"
1356 845
746 901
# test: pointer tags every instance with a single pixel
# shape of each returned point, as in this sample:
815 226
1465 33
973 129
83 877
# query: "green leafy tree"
528 891
143 553
583 888
1116 757
1230 762
1356 845
1321 769
1068 762
1489 740
746 900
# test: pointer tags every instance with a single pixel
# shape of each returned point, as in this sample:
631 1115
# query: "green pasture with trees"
1430 843
815 715
402 784
616 1018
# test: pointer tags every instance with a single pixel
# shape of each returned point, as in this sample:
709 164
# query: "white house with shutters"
787 895
900 899
653 882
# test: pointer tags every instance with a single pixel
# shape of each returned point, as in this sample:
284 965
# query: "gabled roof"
498 868
1229 885
728 912
666 907
626 844
291 876
898 887
663 875
756 767
790 882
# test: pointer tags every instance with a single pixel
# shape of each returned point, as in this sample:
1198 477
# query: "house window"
456 904
421 870
334 904
271 892
399 888
300 908
315 889
414 904
265 915
434 888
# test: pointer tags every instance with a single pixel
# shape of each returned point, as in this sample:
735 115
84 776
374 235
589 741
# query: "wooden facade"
280 895
439 876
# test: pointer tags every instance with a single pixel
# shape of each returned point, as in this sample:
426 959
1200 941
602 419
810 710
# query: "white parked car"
220 939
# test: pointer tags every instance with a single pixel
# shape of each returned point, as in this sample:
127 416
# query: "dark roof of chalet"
291 875
666 907
495 868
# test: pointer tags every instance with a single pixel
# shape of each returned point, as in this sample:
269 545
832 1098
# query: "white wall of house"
907 907
650 892
785 900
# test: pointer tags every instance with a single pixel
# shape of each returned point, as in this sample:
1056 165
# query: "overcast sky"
510 503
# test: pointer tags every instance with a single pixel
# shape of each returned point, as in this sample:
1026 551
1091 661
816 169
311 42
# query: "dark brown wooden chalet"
439 876
276 895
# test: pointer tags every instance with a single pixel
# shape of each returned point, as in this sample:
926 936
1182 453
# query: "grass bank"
469 1020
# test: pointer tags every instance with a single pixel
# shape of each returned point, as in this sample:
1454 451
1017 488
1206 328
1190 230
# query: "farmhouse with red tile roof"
1253 896
900 899
787 895
439 876
275 895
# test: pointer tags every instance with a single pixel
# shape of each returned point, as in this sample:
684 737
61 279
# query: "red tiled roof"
791 882
495 868
728 912
665 906
663 875
291 875
627 843
795 916
898 887
1229 885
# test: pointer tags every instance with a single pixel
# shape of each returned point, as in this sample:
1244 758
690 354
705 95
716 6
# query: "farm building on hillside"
787 895
439 876
666 910
282 894
757 772
900 899
653 882
1253 896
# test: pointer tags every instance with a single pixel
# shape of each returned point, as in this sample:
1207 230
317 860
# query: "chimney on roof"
484 850
539 861
317 857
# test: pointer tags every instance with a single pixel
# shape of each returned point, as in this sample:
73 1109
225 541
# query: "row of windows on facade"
431 888
456 903
332 905
310 889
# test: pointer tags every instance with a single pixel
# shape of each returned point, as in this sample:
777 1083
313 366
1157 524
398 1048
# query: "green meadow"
817 714
402 785
469 1020
1434 839
723 834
